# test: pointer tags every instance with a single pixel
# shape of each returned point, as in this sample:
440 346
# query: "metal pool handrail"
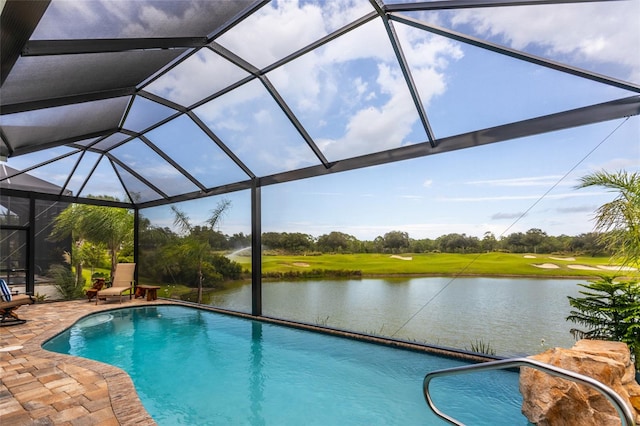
621 407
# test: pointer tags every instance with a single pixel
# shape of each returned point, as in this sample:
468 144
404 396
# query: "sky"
351 97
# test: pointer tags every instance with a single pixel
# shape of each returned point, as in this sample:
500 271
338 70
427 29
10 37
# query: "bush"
228 269
65 282
609 310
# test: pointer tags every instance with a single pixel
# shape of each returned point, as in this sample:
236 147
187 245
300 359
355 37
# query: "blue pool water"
195 367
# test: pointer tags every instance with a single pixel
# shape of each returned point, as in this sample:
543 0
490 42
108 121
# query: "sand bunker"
571 259
546 265
617 268
583 267
301 264
528 256
401 257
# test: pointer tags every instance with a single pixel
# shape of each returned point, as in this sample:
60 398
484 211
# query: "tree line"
532 241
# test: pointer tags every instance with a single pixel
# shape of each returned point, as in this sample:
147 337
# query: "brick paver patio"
39 387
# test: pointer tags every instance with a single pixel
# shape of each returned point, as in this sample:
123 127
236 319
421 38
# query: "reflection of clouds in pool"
94 320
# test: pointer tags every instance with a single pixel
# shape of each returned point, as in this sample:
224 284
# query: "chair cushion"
5 293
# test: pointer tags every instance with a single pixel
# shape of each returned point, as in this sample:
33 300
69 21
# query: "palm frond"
218 213
181 220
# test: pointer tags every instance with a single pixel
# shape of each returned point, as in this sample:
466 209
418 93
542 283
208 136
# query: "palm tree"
611 309
110 226
619 220
70 223
195 245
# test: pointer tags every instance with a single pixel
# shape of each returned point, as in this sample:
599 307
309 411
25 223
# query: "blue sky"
352 99
352 102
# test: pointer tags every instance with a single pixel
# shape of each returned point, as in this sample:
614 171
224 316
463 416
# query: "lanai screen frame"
20 45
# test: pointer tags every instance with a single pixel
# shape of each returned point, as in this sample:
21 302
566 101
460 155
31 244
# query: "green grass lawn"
490 264
424 264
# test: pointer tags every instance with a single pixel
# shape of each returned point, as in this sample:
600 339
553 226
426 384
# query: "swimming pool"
196 367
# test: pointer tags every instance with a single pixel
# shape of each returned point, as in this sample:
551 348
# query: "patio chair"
9 303
121 284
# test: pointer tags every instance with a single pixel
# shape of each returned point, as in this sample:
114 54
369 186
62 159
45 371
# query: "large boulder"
549 400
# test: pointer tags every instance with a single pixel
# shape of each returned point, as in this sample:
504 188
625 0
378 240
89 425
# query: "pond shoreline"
420 275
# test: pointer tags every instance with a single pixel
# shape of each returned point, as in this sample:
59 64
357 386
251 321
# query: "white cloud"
621 163
373 129
521 197
224 109
604 33
262 116
369 41
199 76
360 86
116 18
275 31
427 183
51 28
525 181
498 216
318 84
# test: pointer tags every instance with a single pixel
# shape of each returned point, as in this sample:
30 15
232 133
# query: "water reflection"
256 378
512 315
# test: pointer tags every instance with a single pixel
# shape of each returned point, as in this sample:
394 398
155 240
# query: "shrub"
65 282
609 310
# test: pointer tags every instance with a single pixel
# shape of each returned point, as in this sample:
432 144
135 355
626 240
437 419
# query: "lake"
515 316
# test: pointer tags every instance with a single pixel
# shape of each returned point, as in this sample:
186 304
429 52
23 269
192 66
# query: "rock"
549 400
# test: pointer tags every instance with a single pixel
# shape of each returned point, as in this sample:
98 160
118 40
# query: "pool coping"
28 371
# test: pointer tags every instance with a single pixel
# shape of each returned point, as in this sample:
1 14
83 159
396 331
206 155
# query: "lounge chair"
9 303
121 284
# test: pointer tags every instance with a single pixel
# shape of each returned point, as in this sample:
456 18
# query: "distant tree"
238 241
195 246
489 242
217 240
272 240
425 245
151 244
376 246
618 221
515 242
336 242
589 243
562 243
297 242
396 241
458 243
533 238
